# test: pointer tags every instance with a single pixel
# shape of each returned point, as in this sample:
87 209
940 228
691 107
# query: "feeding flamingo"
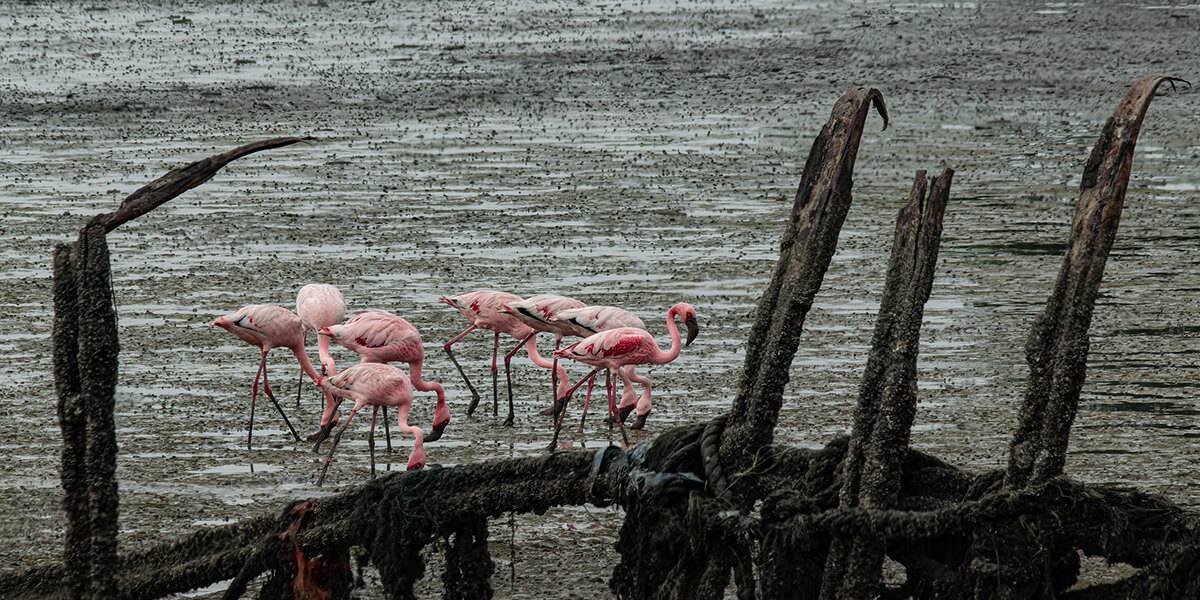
377 385
378 336
584 322
267 326
319 305
485 309
538 313
616 348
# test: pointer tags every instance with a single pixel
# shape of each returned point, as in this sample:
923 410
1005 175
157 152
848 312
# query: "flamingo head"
222 322
688 313
328 332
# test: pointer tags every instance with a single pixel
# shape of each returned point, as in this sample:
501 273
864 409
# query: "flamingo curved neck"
541 361
666 356
305 365
424 385
324 355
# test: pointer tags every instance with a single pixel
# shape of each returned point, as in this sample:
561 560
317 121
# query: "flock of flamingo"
614 340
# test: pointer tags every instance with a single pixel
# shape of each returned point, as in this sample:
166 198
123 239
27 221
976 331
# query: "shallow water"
624 153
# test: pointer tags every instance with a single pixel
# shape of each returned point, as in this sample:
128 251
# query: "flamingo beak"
325 331
693 329
218 322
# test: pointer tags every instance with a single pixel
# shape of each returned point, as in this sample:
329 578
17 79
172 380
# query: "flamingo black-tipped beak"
320 436
693 329
435 434
325 331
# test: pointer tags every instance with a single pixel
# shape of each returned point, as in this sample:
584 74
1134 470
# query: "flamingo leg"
262 362
588 398
587 401
371 437
299 387
495 375
558 420
463 374
267 389
554 370
508 356
387 433
612 411
336 439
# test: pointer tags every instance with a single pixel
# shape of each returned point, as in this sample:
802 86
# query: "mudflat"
636 154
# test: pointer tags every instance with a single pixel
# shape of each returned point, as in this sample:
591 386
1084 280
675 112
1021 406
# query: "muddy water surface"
625 153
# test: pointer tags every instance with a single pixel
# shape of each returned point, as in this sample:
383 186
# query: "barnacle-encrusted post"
807 246
872 469
85 372
1057 348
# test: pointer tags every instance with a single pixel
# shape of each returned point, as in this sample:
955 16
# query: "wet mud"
636 154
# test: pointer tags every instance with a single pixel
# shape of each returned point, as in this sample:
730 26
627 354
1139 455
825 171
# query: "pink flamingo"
485 309
268 326
616 348
377 385
378 336
319 305
538 312
587 321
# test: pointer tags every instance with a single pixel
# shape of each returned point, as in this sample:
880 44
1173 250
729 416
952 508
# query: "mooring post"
1058 344
872 469
85 373
807 246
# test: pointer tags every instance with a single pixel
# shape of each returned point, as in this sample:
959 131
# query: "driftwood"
707 506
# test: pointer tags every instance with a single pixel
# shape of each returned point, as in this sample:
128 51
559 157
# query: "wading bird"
267 326
376 385
485 309
616 348
584 322
378 336
319 305
538 313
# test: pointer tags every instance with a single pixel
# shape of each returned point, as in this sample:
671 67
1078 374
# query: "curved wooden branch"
807 247
177 181
1058 342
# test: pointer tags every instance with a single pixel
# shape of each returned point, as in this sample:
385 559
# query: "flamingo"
485 309
587 321
378 336
538 313
319 305
267 326
377 385
616 348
